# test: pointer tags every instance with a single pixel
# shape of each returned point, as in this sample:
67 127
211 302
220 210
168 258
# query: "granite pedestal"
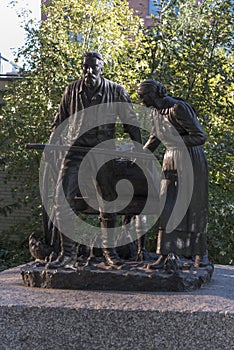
44 319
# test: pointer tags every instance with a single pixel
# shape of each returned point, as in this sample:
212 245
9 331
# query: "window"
74 37
154 7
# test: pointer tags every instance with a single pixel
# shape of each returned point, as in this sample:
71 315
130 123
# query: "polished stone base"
131 276
51 319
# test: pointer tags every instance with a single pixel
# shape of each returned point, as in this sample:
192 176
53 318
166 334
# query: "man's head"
150 91
93 65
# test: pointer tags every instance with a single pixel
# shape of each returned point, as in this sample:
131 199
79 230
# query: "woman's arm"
152 143
186 117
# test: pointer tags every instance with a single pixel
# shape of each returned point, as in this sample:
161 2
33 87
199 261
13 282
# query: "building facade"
143 8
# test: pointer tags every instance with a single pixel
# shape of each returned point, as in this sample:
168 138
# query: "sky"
11 34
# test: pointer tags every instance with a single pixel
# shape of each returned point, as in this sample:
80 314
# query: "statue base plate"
131 276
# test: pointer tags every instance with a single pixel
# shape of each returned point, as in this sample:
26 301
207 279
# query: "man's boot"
67 256
110 254
112 257
92 258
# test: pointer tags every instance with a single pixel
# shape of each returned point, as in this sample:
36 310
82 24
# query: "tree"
53 52
190 51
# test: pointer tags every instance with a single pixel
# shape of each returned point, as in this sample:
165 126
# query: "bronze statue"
92 90
175 124
180 205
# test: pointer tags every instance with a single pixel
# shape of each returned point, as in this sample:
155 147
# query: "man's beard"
90 81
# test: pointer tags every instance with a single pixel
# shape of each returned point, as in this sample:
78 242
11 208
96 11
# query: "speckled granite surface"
44 319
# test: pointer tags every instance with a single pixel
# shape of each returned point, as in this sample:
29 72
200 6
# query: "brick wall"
18 215
141 8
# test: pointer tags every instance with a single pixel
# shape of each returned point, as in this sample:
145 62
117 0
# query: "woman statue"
184 183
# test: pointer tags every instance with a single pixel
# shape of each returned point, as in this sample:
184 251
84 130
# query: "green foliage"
220 229
74 27
189 49
14 255
53 53
191 53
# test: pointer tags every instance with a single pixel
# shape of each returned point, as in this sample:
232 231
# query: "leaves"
192 55
189 49
53 52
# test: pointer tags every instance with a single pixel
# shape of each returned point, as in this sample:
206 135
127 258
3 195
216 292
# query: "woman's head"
150 85
150 91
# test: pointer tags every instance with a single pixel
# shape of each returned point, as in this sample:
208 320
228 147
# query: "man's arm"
63 110
62 113
128 117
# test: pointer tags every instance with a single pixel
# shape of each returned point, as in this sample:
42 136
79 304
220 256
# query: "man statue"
175 124
92 90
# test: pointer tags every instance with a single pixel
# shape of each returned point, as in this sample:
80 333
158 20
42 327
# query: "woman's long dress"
184 184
